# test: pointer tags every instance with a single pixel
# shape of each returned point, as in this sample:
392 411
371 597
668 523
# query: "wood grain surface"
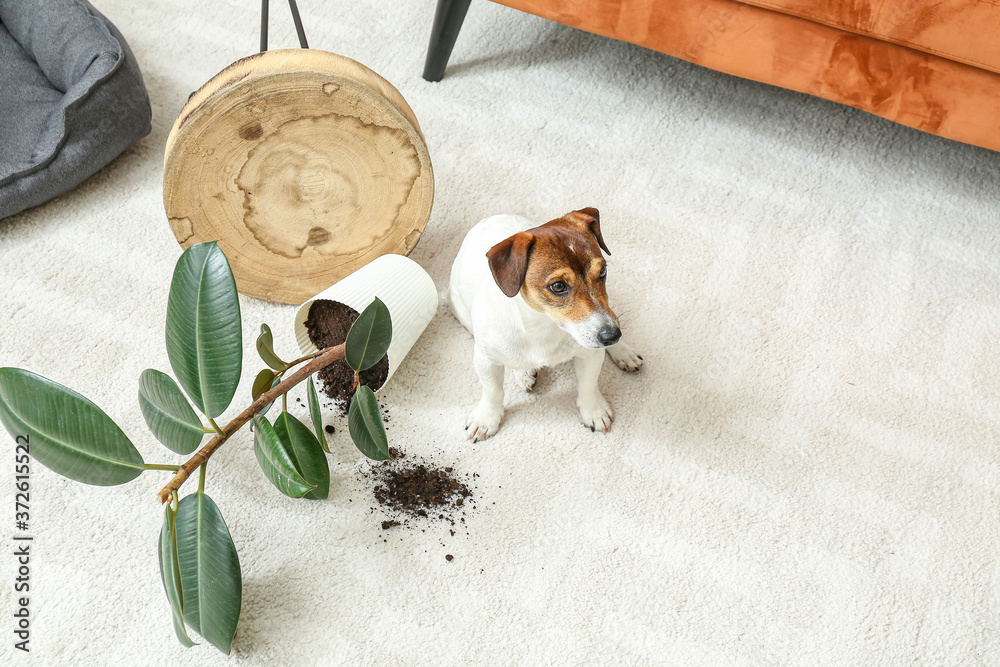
303 165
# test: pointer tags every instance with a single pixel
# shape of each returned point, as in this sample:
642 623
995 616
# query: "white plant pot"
402 285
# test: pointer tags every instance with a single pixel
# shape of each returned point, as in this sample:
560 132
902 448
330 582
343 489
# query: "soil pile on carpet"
407 487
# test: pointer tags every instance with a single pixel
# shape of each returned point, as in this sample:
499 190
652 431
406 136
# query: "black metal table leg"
448 20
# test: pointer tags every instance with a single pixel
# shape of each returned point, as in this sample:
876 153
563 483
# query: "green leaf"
262 383
265 348
204 331
210 571
306 454
315 414
169 416
276 461
369 337
66 432
364 420
170 574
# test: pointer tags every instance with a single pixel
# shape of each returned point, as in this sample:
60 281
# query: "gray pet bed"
71 98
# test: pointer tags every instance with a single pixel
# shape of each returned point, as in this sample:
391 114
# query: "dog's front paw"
528 379
483 422
596 413
625 357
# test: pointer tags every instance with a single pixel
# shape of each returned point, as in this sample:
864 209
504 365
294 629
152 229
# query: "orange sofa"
934 66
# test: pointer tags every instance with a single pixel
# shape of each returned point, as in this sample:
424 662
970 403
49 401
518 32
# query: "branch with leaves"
204 335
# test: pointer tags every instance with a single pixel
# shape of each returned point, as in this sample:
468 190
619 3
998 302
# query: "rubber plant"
199 563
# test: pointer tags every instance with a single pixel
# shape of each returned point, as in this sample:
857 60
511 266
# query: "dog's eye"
604 272
559 287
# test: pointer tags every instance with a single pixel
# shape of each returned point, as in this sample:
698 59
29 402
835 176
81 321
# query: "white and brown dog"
535 297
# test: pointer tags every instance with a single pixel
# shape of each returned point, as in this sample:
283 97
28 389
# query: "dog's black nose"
609 335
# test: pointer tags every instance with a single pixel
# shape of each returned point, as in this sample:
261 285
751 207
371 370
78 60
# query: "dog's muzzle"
596 332
609 335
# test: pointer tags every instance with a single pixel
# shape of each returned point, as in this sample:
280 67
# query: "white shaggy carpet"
805 472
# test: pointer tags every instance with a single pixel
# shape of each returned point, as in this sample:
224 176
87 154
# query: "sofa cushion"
906 85
962 30
72 100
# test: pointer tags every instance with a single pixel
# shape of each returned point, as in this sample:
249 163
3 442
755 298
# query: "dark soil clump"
419 489
407 488
327 325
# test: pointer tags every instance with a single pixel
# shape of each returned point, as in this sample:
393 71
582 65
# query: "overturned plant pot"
400 283
328 325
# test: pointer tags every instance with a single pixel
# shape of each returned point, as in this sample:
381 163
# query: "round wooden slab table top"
303 165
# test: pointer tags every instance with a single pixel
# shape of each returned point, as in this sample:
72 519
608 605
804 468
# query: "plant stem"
318 362
216 427
201 477
302 359
162 466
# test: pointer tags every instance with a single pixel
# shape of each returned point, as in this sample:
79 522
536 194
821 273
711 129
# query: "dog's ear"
590 218
509 262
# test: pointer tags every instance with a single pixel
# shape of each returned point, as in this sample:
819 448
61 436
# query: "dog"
534 297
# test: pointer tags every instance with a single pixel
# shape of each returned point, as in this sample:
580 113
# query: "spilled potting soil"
327 326
412 488
410 492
